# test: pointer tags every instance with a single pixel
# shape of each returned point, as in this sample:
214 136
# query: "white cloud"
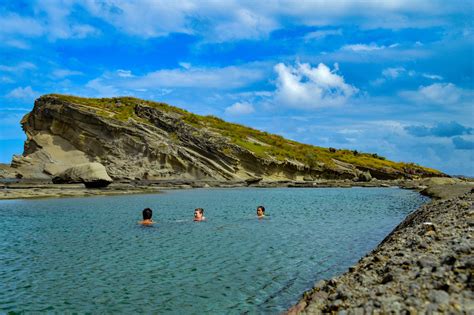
432 76
223 78
185 65
441 92
217 21
244 23
13 23
62 73
217 78
102 89
20 44
306 87
230 20
396 72
240 108
438 93
124 73
316 35
18 68
23 93
363 47
146 18
393 73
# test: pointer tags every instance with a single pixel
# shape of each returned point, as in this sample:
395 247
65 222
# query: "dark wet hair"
261 207
147 212
201 210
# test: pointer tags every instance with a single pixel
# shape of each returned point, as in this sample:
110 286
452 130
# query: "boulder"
365 177
92 175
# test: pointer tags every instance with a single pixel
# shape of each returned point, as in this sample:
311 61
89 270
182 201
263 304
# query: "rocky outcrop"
153 144
92 175
426 265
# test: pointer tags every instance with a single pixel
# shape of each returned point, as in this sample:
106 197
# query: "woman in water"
199 214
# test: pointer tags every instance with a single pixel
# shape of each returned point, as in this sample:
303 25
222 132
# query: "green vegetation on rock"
260 143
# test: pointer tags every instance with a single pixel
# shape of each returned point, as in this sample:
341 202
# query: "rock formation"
92 175
137 139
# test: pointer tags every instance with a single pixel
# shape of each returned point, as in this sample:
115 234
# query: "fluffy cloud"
393 73
26 93
438 93
306 87
239 108
442 129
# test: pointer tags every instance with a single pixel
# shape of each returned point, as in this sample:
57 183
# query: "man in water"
147 213
260 212
199 214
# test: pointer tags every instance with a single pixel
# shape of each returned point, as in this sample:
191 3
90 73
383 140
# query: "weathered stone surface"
92 175
156 145
426 265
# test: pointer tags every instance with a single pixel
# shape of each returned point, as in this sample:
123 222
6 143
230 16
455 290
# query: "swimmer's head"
198 214
147 213
260 211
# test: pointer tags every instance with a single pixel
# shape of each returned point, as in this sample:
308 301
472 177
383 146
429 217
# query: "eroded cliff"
137 139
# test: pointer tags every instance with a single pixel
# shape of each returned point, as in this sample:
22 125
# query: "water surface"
89 255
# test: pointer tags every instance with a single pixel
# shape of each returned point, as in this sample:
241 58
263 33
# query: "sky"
388 77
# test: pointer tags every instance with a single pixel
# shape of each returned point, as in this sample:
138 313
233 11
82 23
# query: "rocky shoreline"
426 265
26 189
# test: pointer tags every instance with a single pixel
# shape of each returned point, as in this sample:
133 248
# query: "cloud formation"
438 93
223 78
362 47
306 87
219 21
463 144
240 108
25 93
441 129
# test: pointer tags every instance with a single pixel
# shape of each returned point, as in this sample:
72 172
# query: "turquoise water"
89 255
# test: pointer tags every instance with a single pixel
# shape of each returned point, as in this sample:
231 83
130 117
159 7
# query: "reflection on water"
90 255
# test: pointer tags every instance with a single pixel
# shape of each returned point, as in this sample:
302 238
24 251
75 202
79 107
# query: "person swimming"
147 213
260 212
199 214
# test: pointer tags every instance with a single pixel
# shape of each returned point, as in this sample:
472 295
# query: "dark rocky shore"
426 265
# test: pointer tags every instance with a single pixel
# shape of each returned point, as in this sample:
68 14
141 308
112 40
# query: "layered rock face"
153 144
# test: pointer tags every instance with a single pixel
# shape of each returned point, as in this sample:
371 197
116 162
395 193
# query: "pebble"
439 296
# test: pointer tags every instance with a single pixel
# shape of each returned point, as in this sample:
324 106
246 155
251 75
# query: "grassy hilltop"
262 144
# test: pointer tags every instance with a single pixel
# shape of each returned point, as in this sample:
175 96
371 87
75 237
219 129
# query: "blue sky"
387 77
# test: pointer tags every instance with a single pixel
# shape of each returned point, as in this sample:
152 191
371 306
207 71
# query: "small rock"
425 262
439 296
388 278
449 260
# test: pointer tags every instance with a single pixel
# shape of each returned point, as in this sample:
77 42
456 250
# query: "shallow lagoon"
89 255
